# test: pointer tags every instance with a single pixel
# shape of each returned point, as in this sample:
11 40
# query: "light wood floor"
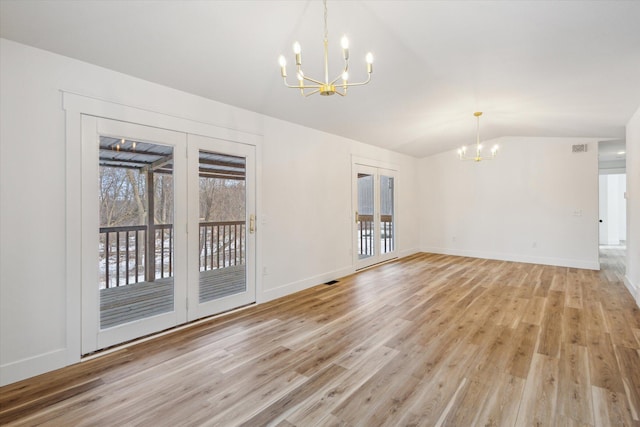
428 340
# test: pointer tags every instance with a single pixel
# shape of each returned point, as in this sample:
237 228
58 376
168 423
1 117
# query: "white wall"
535 202
632 277
305 197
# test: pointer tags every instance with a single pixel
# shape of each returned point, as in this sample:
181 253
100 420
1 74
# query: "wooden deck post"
151 229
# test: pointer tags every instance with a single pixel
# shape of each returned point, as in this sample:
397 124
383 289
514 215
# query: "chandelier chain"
326 31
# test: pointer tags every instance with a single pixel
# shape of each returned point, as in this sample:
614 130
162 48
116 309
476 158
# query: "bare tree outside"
124 218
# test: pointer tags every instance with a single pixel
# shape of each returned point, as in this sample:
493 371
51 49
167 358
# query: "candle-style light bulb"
283 65
297 50
369 59
344 42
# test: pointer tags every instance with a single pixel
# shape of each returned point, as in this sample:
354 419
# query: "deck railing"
366 234
127 255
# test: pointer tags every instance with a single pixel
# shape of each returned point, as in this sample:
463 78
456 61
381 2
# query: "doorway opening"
612 203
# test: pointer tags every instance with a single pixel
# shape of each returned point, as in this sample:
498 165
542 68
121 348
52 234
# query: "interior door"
221 225
374 215
134 261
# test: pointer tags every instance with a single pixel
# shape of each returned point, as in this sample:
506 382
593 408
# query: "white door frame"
376 168
76 106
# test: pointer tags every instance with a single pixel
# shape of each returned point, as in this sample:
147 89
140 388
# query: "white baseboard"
36 365
633 289
560 262
409 252
300 285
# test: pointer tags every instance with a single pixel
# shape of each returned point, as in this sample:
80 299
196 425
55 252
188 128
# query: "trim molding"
300 285
560 262
409 252
32 366
634 290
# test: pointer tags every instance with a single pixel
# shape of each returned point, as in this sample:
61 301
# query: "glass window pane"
387 223
365 227
222 242
135 264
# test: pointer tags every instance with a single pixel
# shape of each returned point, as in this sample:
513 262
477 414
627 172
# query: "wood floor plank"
534 311
620 328
550 335
629 363
603 366
594 316
523 347
573 326
502 405
574 391
539 399
428 340
314 410
611 408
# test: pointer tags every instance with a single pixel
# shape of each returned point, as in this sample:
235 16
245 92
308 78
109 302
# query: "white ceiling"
535 68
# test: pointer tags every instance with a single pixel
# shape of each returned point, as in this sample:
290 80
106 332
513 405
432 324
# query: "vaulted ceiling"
535 68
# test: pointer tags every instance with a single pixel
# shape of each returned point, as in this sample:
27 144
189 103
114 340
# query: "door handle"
356 217
252 223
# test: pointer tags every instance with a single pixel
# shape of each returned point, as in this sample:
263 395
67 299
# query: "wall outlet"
534 245
265 271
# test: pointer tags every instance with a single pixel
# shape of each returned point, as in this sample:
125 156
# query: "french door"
374 205
221 206
167 229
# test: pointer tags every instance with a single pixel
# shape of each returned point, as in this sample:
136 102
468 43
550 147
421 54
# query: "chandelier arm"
303 86
313 80
475 159
335 80
360 83
311 93
346 69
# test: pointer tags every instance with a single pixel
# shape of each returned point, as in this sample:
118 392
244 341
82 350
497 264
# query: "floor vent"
331 282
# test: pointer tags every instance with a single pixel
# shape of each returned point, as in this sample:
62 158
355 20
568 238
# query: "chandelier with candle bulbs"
309 86
477 156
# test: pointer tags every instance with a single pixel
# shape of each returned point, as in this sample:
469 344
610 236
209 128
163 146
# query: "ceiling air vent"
579 148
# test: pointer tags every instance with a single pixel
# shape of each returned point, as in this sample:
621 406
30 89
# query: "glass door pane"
222 231
387 224
364 217
136 239
221 226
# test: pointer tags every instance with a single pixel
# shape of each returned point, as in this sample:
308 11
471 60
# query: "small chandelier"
325 87
462 152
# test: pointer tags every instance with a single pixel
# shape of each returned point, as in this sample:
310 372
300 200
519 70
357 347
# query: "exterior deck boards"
136 301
